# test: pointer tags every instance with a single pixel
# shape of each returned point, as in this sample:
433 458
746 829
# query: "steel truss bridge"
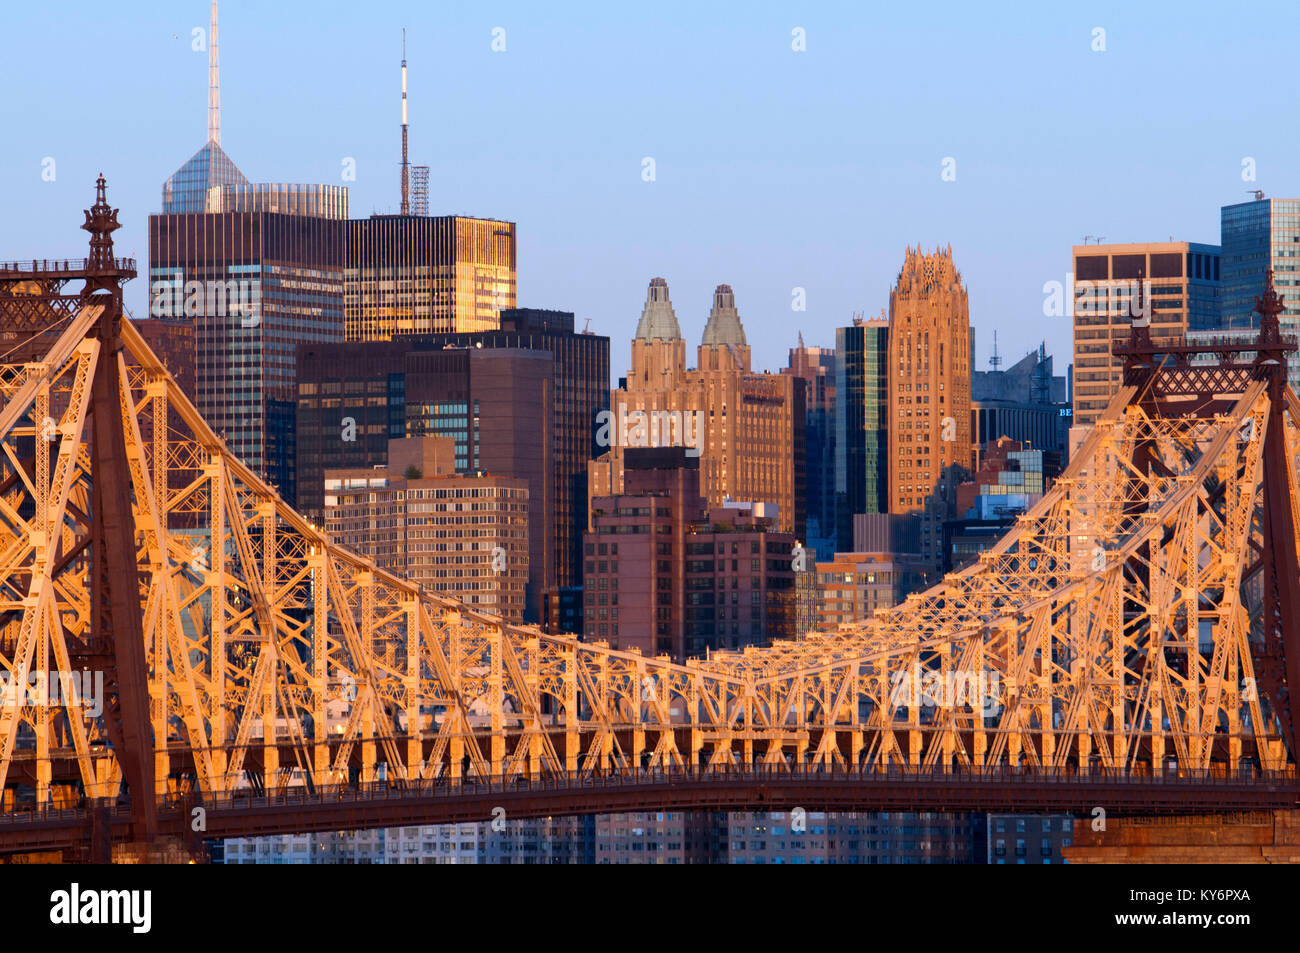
1130 642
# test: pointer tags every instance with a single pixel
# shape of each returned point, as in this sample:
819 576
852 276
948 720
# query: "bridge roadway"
760 788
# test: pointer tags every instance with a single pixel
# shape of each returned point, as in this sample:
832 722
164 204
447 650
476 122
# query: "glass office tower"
200 180
861 424
253 285
1256 236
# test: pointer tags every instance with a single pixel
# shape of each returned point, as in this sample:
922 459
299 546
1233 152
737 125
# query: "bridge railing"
51 265
632 777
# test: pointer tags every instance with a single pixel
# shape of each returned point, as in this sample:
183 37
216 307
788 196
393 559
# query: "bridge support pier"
1252 837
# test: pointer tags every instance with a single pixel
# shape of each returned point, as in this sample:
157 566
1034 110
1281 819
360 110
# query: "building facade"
321 201
1011 479
816 367
930 347
1183 281
669 575
408 274
464 536
1026 402
1255 236
746 428
1029 838
852 586
253 285
581 393
495 404
862 461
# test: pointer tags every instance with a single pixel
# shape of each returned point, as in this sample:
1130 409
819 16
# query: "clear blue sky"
775 169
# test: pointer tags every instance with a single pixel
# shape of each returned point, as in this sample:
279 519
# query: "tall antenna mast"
214 82
406 175
995 361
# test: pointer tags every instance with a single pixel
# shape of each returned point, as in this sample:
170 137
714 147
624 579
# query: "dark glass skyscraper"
494 403
861 424
816 366
581 392
416 384
1246 247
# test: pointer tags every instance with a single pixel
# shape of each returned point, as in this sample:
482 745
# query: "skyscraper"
204 175
816 366
1254 237
413 275
930 346
929 377
581 392
255 270
380 369
1183 282
254 285
861 425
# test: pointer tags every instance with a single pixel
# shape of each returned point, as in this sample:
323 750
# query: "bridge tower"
1171 381
117 627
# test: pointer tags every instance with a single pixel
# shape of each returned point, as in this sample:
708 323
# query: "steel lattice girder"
1115 628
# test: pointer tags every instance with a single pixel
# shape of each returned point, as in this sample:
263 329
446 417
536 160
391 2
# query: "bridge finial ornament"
101 222
1268 306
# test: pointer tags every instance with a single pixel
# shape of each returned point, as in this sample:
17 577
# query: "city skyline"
349 513
788 195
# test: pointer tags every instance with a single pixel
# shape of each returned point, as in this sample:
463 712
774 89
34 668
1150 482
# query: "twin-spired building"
746 427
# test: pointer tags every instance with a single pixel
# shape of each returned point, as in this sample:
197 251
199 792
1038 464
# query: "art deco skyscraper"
930 343
751 424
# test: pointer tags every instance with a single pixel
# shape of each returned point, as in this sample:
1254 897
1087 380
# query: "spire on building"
658 320
406 173
193 186
214 82
724 327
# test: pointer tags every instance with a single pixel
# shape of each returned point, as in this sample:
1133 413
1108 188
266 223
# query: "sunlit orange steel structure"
1143 616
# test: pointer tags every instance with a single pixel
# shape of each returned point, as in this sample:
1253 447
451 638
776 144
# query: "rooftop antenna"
995 361
406 172
214 82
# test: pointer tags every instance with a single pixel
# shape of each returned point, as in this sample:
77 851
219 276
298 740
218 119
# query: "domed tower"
658 350
723 345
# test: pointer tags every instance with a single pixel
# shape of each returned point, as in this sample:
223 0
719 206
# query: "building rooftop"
658 319
724 328
209 168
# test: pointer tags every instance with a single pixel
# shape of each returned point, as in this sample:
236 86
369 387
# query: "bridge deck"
382 804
